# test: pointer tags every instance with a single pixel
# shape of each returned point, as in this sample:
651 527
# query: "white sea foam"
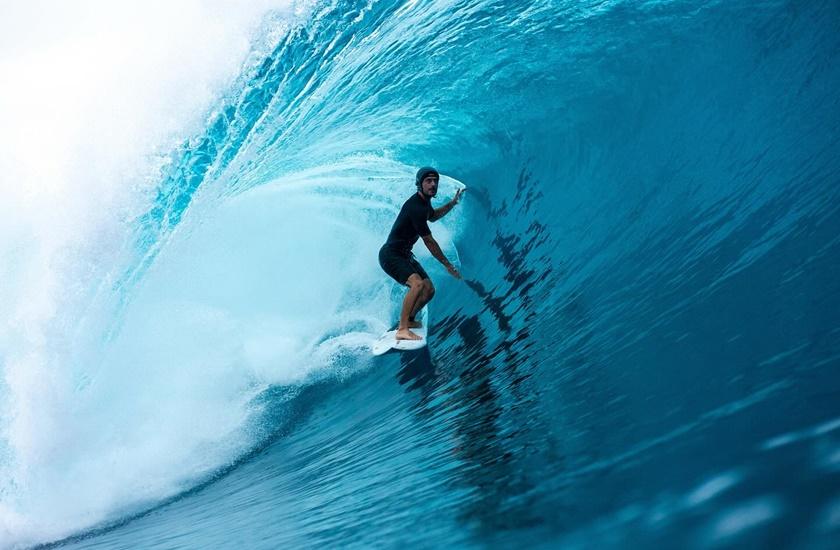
95 94
101 416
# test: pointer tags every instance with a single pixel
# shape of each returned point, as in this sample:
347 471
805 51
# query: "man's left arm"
444 210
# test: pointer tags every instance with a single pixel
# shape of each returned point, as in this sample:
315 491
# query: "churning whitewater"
644 350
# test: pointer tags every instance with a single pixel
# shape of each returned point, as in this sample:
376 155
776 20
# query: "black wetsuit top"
411 224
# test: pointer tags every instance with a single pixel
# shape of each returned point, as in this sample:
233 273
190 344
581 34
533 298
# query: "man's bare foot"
405 334
415 324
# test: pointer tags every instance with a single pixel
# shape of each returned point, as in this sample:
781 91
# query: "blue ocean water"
644 351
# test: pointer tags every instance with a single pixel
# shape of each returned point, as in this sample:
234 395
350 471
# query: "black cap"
425 172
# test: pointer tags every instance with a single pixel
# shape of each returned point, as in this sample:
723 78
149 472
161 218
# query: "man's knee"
428 289
414 282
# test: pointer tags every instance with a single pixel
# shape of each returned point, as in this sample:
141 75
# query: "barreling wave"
649 241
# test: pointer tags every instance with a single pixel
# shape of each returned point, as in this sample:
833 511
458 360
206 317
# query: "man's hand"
443 210
458 195
453 271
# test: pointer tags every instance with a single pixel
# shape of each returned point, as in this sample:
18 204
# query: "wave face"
644 351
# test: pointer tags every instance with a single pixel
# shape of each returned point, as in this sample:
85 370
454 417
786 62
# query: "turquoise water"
645 349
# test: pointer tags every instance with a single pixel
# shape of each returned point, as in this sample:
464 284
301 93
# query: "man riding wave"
396 257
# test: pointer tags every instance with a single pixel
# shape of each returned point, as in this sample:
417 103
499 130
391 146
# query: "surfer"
396 258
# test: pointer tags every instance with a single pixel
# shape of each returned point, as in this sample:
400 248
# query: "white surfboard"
388 341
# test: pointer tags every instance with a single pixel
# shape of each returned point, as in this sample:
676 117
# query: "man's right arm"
434 248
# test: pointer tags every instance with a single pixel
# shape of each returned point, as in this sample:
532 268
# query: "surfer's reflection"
489 463
417 370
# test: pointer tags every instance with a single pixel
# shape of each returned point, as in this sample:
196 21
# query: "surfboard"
388 341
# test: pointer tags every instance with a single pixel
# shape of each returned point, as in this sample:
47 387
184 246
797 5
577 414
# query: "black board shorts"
399 264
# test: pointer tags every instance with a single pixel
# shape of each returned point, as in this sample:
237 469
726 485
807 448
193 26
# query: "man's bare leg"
425 297
415 288
418 305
